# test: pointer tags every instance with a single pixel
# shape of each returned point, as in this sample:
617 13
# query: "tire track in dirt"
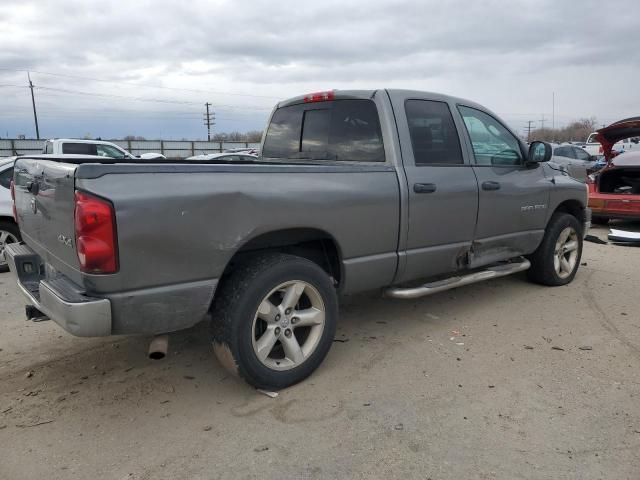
604 319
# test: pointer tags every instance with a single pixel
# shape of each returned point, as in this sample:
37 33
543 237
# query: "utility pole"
542 120
553 110
209 120
529 122
33 102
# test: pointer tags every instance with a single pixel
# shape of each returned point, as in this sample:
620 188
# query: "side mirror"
539 152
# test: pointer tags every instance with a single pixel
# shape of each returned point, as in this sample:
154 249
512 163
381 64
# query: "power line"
136 84
110 95
141 99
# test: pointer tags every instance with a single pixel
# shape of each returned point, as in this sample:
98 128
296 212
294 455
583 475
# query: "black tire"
12 229
236 306
600 220
542 268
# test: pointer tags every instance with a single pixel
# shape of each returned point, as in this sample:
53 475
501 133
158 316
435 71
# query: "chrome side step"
501 270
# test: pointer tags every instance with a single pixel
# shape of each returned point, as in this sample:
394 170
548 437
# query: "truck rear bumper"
58 298
147 311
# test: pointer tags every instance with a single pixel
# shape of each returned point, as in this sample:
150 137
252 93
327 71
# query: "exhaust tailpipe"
158 347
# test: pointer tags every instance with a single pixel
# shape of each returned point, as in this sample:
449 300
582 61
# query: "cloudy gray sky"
113 68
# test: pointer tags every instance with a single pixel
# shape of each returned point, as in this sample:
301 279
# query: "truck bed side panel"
183 224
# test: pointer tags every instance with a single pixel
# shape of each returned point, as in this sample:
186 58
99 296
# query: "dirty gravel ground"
488 381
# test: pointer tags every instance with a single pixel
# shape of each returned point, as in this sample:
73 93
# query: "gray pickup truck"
406 192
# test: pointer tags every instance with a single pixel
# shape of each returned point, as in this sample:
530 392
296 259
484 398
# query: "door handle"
424 187
489 185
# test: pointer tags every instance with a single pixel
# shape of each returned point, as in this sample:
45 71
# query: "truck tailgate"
45 205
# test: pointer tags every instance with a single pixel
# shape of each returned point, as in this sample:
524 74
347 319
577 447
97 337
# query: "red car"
614 191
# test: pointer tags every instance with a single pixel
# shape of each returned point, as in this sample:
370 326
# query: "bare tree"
577 130
254 136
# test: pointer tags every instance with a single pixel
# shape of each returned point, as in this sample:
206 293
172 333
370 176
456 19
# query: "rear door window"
6 177
79 148
580 154
566 152
339 130
434 136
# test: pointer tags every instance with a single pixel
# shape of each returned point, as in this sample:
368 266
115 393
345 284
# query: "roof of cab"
368 94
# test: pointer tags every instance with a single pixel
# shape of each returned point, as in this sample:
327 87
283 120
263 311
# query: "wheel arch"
572 207
7 218
313 244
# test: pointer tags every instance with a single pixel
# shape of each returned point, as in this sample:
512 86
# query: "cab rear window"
339 130
80 148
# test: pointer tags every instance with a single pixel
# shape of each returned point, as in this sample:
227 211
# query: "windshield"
592 138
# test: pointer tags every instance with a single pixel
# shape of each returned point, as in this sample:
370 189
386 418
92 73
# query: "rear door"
443 192
513 197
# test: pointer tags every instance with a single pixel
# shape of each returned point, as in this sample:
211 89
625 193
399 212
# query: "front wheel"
557 258
274 320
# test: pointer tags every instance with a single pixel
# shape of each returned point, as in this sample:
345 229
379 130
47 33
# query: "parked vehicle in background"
408 192
614 191
101 148
9 231
223 157
575 159
248 151
595 149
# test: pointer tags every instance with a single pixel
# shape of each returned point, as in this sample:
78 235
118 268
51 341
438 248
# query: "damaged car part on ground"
354 191
624 237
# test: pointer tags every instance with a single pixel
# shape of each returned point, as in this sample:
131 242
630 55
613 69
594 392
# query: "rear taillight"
320 97
13 201
96 241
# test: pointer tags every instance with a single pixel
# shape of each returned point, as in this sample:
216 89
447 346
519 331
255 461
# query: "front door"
513 197
443 192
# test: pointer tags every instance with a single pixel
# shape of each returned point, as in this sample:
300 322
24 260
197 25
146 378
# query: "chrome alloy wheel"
566 252
5 239
288 325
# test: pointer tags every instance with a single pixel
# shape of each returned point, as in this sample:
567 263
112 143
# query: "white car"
100 148
224 157
594 148
9 232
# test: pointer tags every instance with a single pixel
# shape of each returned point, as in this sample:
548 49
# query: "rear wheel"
600 220
274 320
557 258
9 233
